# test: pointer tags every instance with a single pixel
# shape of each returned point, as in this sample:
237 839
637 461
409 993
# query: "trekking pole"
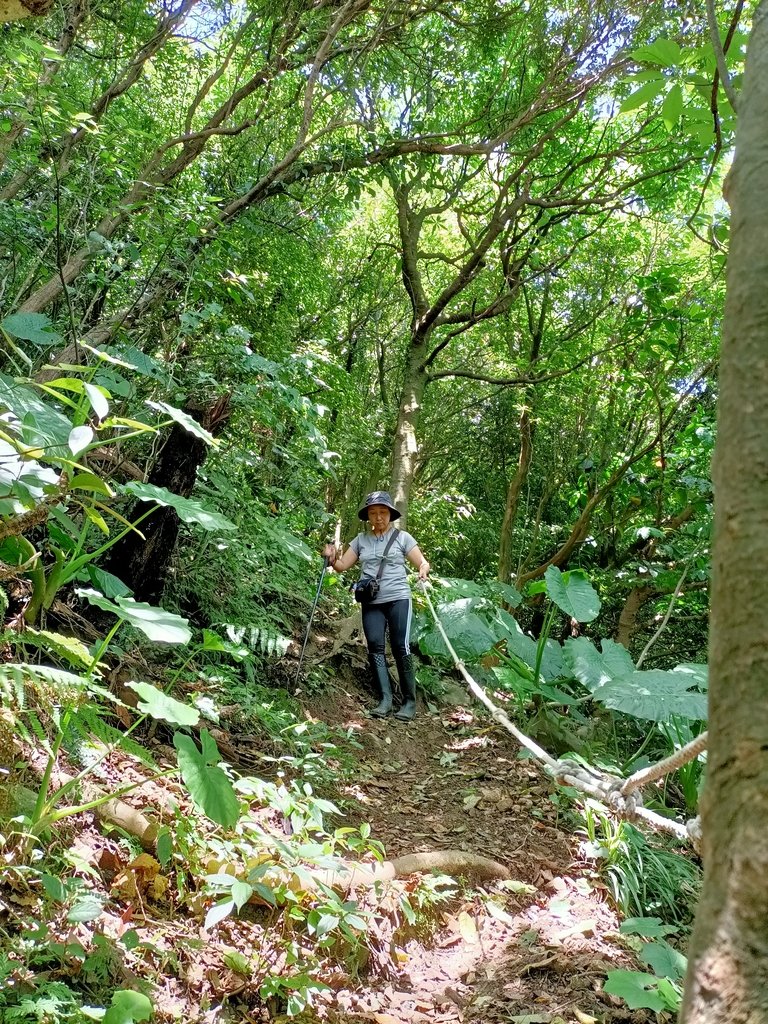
311 616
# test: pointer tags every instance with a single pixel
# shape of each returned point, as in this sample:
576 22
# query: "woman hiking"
382 553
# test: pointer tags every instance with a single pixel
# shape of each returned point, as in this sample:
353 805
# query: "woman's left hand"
424 570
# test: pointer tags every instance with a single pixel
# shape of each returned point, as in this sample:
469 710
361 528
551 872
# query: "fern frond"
73 651
12 692
88 721
269 641
49 683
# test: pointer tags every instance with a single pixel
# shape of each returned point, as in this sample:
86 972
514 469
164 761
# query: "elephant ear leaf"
573 593
208 785
654 695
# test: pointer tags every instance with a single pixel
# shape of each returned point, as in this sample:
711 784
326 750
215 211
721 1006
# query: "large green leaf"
638 990
35 327
593 668
184 420
586 663
208 785
525 647
468 633
128 1007
155 623
664 960
40 424
159 705
572 593
654 695
189 511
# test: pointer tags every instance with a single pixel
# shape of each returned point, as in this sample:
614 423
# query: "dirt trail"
532 950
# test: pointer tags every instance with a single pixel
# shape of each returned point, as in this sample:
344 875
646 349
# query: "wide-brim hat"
379 498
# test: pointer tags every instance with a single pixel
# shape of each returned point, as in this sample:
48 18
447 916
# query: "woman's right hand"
329 552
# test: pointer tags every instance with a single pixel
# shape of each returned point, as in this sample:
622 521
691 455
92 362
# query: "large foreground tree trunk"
728 964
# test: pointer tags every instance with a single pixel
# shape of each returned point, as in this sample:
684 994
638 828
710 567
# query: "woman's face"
378 517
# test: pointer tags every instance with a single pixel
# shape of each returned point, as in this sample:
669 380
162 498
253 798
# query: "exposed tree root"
450 862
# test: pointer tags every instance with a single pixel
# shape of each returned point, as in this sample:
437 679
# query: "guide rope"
621 796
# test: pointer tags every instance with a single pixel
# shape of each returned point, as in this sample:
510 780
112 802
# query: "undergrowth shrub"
645 878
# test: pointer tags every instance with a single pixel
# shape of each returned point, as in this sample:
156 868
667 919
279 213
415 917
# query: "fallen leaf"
467 927
499 913
583 1018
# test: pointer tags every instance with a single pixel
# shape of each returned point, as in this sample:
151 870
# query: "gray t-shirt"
393 585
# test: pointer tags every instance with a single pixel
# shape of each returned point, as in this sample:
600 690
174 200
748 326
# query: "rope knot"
625 805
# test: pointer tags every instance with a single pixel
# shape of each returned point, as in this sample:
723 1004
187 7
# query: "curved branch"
717 46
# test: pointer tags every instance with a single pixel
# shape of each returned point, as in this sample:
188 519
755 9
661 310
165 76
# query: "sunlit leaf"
98 397
155 623
208 785
79 439
160 705
641 96
189 511
128 1007
184 420
572 593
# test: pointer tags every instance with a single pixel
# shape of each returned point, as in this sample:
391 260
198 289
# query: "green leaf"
67 648
236 962
639 991
650 927
35 327
466 631
641 96
663 52
241 893
218 912
184 420
41 424
54 887
79 439
189 511
159 705
672 107
128 1007
106 583
208 786
508 593
585 663
98 396
155 623
664 961
90 482
85 908
572 593
654 695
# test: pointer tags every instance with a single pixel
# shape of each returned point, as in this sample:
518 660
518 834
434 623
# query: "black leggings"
393 614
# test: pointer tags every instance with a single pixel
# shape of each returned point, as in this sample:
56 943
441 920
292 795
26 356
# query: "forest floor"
533 949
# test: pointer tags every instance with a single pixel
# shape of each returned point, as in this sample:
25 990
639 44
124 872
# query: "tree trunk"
143 564
728 962
405 446
636 598
513 496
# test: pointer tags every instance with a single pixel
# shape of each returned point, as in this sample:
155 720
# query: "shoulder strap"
390 542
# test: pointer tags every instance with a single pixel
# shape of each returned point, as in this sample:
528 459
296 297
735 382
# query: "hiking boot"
407 688
381 677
